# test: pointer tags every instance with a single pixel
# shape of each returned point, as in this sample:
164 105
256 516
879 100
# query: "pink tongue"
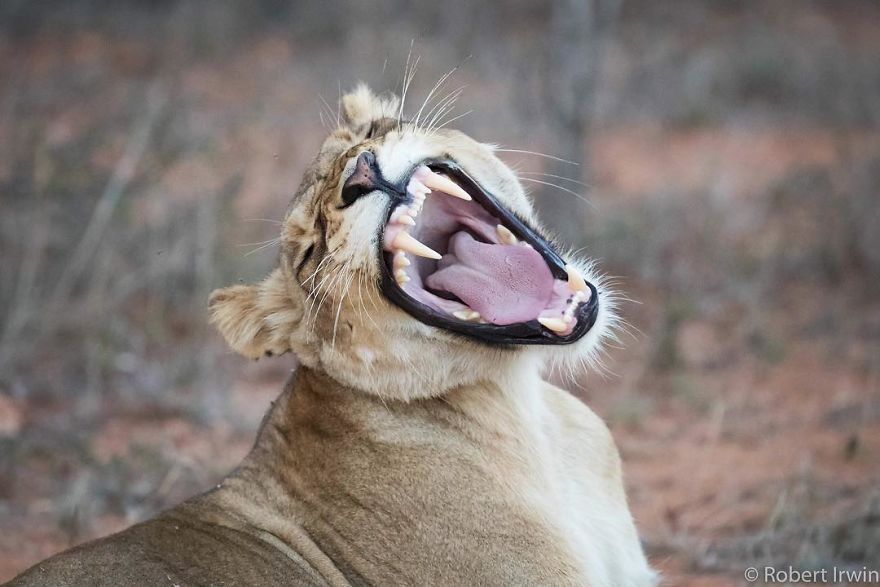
504 283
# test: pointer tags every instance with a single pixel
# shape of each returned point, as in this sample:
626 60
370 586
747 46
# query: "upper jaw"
572 308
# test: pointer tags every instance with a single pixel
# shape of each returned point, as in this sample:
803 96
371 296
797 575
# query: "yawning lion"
417 443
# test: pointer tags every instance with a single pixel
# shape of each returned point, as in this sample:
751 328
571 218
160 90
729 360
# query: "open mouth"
454 258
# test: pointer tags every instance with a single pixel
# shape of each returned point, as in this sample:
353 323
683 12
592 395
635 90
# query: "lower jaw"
522 333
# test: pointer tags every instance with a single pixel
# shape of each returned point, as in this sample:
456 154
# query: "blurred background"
726 170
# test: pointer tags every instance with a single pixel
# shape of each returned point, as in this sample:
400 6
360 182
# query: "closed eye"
372 131
380 127
305 258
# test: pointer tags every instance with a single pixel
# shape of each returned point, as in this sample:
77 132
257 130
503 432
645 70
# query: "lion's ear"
256 320
361 107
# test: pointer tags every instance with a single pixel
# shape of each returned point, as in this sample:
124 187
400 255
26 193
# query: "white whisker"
336 277
321 263
561 177
453 119
559 187
263 220
442 106
329 110
536 153
409 72
262 245
362 280
270 241
436 87
339 308
339 103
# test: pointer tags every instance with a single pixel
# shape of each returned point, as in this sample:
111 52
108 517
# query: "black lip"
531 332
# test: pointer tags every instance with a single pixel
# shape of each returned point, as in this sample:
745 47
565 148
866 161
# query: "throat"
316 415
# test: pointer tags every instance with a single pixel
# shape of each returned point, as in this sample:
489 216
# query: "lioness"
417 443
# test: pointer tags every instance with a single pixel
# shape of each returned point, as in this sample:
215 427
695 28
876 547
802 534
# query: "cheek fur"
357 237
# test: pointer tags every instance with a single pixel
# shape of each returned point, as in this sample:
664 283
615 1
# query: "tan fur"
398 454
256 320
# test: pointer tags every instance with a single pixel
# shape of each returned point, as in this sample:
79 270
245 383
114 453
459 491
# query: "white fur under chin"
587 353
420 361
412 377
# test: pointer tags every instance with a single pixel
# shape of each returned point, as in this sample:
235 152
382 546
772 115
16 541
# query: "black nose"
367 178
364 180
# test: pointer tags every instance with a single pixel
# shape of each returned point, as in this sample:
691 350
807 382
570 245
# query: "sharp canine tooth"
445 185
576 283
474 315
505 235
406 242
554 324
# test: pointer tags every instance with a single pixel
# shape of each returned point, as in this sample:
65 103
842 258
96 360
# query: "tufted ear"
361 107
256 320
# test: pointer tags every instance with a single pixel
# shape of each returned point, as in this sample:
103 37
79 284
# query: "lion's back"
171 550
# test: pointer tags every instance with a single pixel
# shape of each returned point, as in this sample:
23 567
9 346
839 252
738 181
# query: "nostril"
364 179
366 159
